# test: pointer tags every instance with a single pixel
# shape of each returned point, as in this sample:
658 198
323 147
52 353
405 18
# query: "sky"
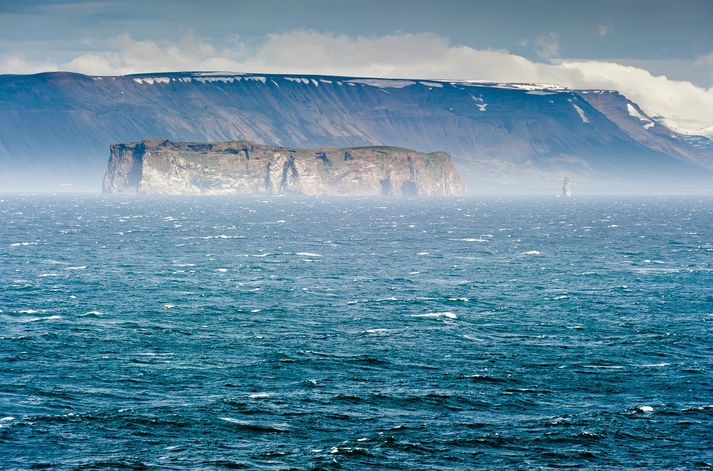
657 52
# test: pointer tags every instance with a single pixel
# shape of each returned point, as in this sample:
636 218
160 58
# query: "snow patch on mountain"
383 83
152 80
482 106
256 79
648 123
581 114
298 80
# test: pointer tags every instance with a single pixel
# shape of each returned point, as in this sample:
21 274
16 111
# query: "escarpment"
244 168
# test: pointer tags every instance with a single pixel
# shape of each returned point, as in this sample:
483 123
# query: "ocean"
279 333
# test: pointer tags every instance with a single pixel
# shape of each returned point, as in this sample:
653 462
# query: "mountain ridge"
505 135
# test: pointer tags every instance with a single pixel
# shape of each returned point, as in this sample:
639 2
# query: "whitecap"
474 339
645 409
532 252
700 408
470 239
49 318
423 253
390 298
93 314
308 254
603 367
169 306
232 420
436 315
80 267
22 244
647 270
259 395
222 270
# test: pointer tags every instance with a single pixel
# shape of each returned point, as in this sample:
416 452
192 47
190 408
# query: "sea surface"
218 332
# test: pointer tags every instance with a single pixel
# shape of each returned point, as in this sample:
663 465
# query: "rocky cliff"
241 167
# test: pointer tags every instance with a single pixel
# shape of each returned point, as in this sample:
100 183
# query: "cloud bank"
683 105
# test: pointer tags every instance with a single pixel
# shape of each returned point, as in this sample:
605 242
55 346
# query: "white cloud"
423 55
17 64
605 29
547 46
705 60
129 56
683 105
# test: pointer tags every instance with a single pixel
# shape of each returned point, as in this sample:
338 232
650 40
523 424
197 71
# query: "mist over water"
70 181
312 333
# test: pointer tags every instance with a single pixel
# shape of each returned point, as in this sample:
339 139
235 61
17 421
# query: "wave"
259 395
308 254
651 270
6 421
437 315
256 426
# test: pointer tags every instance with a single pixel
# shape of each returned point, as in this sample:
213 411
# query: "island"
247 168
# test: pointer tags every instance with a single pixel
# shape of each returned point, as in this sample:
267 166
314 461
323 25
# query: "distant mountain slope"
57 127
649 131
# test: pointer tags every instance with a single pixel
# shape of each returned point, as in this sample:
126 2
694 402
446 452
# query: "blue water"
317 333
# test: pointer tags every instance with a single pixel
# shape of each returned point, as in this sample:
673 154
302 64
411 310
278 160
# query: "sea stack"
566 188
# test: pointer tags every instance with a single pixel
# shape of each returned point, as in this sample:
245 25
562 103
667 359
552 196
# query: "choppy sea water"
320 333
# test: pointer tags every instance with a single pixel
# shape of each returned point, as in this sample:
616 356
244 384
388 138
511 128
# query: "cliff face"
241 167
